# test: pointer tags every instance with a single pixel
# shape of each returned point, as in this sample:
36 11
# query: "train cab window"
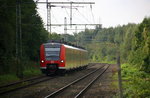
52 53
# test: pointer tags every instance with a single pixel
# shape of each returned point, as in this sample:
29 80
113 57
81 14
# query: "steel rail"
25 86
18 82
88 86
75 81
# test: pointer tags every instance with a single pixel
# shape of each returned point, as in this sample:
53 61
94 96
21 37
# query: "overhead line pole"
70 14
17 30
74 24
49 17
49 10
65 25
65 29
47 13
119 76
64 2
20 30
18 38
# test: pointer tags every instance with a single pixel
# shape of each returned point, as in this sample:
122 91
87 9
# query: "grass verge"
30 70
4 79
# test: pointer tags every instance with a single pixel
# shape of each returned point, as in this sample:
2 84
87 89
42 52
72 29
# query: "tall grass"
29 69
4 79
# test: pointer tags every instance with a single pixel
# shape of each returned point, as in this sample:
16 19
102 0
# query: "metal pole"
76 29
50 17
20 31
70 14
47 13
119 76
64 2
65 29
49 10
17 30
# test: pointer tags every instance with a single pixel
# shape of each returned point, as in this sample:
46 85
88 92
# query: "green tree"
33 35
141 48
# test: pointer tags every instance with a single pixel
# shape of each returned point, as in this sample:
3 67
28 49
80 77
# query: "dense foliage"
32 33
104 43
140 55
131 40
136 84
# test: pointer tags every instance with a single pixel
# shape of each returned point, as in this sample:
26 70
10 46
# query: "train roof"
72 47
67 45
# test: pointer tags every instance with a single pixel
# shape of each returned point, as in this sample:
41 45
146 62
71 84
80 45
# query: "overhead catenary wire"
79 18
92 13
88 14
65 3
54 16
67 12
57 29
83 16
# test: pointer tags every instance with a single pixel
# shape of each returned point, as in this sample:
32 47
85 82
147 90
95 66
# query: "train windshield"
52 53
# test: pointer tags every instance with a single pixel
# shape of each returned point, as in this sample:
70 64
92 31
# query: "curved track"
81 92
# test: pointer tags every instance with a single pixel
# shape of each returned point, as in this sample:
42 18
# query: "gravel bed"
103 88
74 89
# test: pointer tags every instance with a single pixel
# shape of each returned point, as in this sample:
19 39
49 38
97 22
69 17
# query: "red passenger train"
58 57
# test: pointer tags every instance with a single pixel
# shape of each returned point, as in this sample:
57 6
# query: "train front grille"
52 66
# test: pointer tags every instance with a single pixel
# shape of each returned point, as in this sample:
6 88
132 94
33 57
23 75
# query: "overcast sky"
106 12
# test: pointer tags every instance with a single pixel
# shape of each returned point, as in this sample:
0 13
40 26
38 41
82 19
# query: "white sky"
106 12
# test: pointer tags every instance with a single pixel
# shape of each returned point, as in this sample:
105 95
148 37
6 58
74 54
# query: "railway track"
4 89
90 77
23 84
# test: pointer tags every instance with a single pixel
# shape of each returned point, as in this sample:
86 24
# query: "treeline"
104 44
132 42
16 53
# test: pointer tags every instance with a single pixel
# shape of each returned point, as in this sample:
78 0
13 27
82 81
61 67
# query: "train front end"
52 58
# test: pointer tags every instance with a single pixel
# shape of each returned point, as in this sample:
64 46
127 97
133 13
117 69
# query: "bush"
137 82
26 69
29 72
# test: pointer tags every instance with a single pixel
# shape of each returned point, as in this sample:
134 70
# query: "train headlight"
42 61
61 61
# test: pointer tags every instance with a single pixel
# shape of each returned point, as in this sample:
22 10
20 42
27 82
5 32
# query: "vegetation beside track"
4 79
136 83
31 69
